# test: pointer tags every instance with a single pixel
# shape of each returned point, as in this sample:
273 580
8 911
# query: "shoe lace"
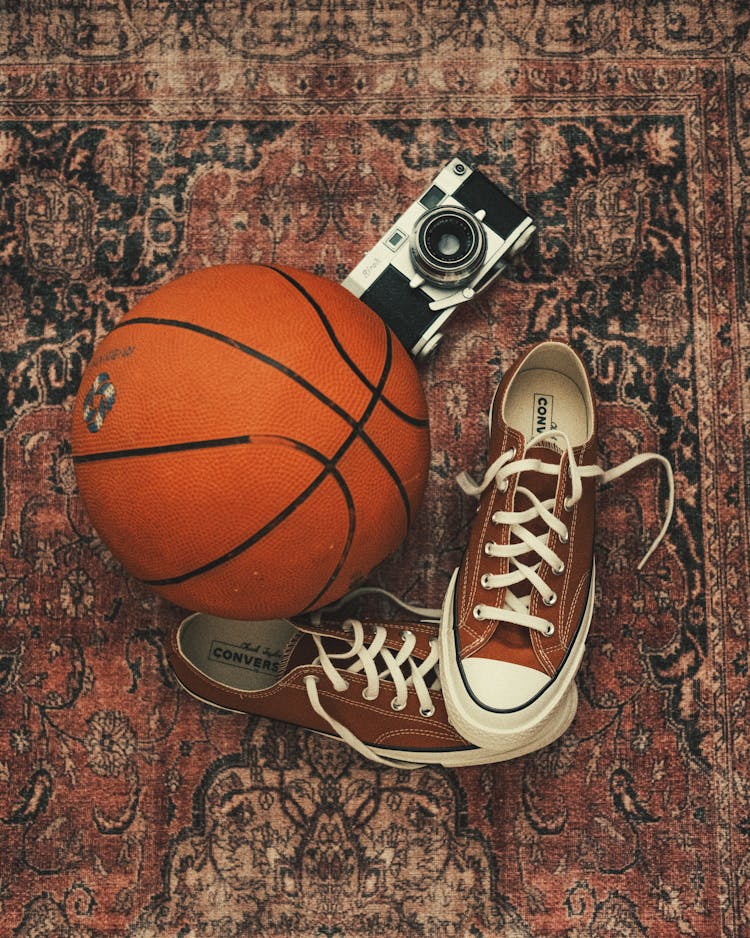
368 654
515 609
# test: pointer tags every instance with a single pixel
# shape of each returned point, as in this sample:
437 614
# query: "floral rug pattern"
142 141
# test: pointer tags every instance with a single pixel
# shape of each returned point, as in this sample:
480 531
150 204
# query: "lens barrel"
448 246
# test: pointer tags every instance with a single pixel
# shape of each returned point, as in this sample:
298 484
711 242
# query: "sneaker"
374 685
518 609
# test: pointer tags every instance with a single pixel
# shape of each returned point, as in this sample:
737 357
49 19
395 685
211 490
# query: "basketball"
250 441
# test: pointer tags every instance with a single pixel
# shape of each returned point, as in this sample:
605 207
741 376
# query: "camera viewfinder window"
432 197
395 241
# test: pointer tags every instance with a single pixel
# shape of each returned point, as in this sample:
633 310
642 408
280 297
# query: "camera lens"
448 246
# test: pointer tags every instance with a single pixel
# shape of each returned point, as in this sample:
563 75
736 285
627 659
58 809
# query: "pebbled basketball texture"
250 441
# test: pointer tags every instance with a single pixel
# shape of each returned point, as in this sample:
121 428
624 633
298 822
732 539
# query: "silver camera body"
447 247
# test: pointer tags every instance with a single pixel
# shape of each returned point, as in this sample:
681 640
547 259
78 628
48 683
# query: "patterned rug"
143 140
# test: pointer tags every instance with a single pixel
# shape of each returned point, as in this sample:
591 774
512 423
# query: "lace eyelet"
550 599
366 696
550 630
406 635
503 487
427 711
564 538
345 688
346 626
395 705
568 504
559 569
477 613
485 581
488 548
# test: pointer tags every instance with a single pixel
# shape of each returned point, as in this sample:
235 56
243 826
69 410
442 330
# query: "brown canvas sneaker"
373 685
518 609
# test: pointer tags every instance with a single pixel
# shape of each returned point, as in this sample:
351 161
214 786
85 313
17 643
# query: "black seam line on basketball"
260 356
271 362
407 418
348 442
376 397
329 468
159 450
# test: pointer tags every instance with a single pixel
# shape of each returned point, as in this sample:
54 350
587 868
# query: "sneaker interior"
240 654
550 392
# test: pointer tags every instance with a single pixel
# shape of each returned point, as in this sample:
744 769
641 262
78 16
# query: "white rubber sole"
531 727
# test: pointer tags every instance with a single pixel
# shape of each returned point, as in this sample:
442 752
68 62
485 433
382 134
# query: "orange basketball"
251 441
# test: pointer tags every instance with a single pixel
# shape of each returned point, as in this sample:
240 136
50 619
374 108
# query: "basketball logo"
98 402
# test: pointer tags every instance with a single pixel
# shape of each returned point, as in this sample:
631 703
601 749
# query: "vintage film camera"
448 246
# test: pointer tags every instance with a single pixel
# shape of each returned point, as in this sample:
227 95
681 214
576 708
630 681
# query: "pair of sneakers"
490 676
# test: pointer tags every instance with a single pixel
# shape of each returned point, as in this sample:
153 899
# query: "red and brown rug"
143 140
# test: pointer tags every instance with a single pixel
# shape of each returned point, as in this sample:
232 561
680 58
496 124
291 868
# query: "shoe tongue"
542 484
302 650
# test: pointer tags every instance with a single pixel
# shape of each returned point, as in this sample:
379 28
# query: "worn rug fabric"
143 140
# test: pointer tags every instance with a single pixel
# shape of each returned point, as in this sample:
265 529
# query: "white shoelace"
362 654
516 609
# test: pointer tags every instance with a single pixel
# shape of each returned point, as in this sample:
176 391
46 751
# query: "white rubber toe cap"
501 685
